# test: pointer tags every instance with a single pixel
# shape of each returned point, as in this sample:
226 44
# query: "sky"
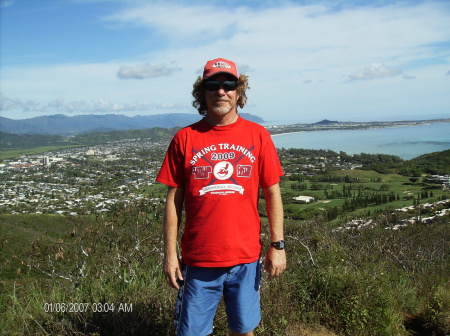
353 60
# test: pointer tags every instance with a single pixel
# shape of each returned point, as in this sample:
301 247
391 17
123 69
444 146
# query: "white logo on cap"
221 64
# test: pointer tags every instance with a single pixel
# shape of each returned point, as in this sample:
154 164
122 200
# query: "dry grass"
305 330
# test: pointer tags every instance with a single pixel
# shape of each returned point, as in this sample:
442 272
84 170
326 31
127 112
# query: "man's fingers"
275 263
172 281
268 268
173 277
172 272
180 275
274 271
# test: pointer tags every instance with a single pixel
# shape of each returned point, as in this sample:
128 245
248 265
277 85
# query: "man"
214 168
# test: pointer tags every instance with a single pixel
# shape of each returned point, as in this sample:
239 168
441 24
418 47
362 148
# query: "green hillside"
102 274
437 163
15 142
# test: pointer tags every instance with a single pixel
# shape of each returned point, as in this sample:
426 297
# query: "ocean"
406 142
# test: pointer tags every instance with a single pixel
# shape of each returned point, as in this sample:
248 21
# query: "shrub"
355 282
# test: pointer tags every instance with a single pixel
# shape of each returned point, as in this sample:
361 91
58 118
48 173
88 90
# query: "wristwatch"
279 245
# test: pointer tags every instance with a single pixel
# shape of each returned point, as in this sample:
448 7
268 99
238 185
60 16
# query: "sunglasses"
215 85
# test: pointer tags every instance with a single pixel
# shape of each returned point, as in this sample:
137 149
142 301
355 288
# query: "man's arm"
172 220
275 262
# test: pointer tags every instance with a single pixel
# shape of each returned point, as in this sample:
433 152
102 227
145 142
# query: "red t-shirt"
220 169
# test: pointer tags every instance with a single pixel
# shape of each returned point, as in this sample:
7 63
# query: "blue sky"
306 60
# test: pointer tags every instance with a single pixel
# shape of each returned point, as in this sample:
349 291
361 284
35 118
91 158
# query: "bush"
355 282
369 281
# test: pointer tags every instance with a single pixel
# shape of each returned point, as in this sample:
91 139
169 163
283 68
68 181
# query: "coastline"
326 125
276 134
405 141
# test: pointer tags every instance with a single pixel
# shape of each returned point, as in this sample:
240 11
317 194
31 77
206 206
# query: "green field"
14 153
361 183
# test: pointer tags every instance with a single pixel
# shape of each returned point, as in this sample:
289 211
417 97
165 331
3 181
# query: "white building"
304 199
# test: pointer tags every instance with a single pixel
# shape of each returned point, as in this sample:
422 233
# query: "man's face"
221 101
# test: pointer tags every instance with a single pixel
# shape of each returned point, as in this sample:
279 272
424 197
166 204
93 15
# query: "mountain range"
59 124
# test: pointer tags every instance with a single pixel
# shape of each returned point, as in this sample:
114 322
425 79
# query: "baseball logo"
223 170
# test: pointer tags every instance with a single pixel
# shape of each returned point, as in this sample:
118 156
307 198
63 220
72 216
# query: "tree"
413 179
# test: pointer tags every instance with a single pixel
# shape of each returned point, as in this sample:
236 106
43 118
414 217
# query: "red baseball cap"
220 65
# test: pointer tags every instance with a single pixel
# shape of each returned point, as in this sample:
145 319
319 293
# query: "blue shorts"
202 290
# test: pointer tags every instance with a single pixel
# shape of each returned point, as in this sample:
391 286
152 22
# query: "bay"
405 142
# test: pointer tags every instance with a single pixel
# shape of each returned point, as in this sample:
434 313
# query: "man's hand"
275 262
172 271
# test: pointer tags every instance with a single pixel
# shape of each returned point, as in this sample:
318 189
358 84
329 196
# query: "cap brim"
221 73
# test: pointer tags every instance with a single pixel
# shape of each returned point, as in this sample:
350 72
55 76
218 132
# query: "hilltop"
327 122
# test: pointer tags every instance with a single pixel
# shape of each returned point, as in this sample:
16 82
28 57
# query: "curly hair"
199 94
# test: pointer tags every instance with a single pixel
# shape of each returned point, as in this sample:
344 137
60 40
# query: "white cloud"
409 77
375 71
6 3
310 30
178 21
142 71
59 105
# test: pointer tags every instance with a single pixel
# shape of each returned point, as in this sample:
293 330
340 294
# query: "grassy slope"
338 292
351 293
20 234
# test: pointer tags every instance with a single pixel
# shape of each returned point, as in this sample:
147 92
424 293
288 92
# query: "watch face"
279 245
